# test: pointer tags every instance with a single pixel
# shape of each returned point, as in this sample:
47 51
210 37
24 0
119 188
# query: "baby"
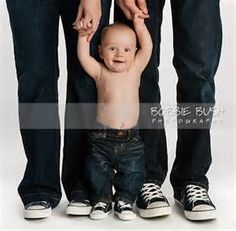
116 145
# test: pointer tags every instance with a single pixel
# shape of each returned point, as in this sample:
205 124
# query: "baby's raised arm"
90 65
145 41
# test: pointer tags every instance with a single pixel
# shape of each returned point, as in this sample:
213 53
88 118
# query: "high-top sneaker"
151 202
37 210
101 210
196 203
124 210
79 208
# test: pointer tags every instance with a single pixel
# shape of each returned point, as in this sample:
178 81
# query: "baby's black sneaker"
101 210
124 210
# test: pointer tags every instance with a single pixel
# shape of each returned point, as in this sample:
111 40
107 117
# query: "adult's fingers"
95 24
79 25
87 21
79 15
142 5
90 31
132 7
124 8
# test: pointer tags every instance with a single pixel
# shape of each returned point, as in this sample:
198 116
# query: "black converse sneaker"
124 210
151 202
37 210
101 210
197 203
79 208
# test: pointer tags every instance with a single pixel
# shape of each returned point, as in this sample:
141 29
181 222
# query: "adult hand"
88 17
133 7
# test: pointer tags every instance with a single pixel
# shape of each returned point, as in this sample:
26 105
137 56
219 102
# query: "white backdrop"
222 173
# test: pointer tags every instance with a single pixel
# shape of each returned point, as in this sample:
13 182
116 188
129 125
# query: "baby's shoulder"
104 69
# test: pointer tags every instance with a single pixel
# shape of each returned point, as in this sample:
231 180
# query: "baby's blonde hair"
115 25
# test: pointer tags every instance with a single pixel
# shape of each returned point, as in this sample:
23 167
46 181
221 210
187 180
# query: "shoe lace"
80 202
150 191
124 205
42 203
100 205
195 193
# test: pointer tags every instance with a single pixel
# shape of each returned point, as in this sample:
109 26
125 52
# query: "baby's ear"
100 51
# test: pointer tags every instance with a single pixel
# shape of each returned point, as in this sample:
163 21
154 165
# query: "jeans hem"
178 190
42 196
159 183
78 195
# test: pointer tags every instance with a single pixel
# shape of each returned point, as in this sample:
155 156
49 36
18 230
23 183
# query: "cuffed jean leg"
197 47
34 27
130 175
81 89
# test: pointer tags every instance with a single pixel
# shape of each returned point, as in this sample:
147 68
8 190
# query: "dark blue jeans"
124 153
197 46
34 27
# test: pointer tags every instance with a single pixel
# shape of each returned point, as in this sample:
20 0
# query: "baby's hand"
82 25
84 30
138 21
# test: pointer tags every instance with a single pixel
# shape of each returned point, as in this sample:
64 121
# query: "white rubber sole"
125 217
37 213
154 212
198 215
99 216
78 211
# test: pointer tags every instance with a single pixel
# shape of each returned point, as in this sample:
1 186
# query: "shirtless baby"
117 145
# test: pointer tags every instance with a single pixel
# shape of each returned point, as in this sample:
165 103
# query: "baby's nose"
119 52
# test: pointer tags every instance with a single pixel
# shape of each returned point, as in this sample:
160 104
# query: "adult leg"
35 34
80 89
197 46
151 202
154 139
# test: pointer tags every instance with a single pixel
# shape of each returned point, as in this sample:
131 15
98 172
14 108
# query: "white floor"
222 174
222 190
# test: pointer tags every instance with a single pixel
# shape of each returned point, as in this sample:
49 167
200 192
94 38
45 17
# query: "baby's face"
118 49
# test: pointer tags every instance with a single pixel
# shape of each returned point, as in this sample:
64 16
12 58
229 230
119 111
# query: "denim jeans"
34 27
108 152
197 45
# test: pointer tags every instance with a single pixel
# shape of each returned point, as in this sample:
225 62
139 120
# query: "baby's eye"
112 48
127 49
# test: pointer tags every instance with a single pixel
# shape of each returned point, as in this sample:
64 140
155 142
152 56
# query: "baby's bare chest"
118 83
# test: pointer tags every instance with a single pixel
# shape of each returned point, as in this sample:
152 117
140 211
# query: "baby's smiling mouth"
118 61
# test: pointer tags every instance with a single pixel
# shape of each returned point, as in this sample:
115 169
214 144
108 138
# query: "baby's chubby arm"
145 41
90 65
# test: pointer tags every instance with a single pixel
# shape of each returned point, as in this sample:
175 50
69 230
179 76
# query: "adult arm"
88 17
132 7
